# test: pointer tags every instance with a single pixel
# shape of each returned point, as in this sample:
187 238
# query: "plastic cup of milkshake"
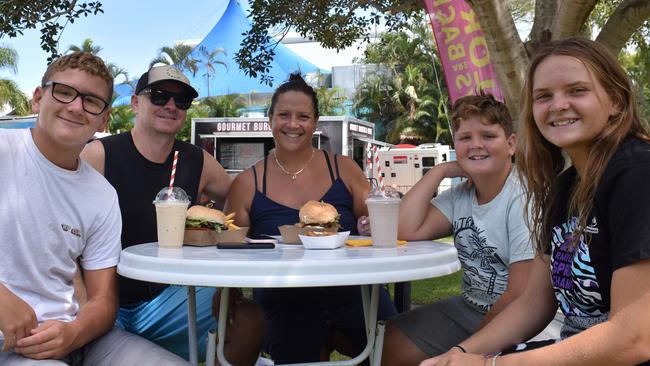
383 213
171 210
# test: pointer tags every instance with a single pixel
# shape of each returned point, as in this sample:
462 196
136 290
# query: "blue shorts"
163 320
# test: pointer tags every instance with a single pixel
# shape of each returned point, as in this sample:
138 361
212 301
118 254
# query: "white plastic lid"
176 194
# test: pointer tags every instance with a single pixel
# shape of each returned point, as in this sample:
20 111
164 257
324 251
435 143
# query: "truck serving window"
428 161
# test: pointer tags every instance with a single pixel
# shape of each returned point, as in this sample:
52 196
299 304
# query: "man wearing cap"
138 164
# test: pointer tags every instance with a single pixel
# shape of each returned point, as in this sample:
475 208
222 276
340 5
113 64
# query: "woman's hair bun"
296 77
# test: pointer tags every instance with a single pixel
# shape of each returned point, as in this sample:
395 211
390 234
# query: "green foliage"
117 71
403 97
335 24
51 16
8 58
10 93
196 111
179 55
121 119
224 105
635 58
86 46
329 101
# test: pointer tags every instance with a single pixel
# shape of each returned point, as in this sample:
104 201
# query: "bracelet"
459 347
494 360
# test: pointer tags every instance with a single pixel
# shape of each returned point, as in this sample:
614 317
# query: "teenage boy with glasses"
138 164
56 212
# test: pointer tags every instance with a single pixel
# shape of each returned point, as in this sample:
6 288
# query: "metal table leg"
221 326
379 343
191 324
211 347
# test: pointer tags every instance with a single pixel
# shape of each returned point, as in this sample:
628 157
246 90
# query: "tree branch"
620 26
543 24
572 16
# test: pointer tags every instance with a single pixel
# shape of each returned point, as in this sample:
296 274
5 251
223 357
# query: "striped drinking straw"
171 179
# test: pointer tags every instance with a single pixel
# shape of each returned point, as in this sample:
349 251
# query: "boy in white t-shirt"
58 212
486 218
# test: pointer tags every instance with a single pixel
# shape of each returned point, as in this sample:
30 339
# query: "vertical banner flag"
462 49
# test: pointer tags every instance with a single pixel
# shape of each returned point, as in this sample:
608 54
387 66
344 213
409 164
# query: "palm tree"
488 257
179 55
117 71
403 96
224 105
329 103
10 93
415 100
209 61
372 103
86 46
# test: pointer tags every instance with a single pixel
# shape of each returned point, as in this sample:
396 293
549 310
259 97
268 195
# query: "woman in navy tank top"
304 324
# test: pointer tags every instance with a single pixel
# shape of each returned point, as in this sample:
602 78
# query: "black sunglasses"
161 97
66 94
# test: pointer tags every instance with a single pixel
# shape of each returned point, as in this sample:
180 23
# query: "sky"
130 34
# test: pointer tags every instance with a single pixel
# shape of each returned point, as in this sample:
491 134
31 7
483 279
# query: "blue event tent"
227 34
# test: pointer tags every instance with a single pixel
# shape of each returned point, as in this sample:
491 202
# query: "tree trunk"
544 24
572 15
506 49
625 20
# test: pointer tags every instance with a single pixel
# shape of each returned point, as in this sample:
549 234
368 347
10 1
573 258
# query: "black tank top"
137 181
267 215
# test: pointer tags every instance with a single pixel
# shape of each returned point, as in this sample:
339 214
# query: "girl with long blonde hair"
585 161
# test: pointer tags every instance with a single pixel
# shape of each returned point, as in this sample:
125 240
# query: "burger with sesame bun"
318 215
204 218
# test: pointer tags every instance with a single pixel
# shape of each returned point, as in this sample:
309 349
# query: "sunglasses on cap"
161 97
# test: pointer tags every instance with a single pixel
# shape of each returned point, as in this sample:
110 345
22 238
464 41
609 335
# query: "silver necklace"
294 174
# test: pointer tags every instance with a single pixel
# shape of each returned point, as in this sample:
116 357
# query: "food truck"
403 167
238 142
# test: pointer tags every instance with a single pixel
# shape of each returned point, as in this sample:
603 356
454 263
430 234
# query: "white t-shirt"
50 218
488 238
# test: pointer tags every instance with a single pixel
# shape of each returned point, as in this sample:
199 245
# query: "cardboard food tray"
203 238
290 233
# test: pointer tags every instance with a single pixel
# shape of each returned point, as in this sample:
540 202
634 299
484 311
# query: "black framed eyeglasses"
161 97
66 94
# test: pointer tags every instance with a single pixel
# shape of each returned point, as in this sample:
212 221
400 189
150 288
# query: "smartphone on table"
261 238
253 242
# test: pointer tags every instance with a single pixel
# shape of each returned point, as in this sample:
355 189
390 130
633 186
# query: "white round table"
287 266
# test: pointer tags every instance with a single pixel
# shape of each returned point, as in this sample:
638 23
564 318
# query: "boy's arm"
418 218
98 314
17 318
54 339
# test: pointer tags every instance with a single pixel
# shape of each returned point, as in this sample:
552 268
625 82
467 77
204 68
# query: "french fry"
232 226
230 215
